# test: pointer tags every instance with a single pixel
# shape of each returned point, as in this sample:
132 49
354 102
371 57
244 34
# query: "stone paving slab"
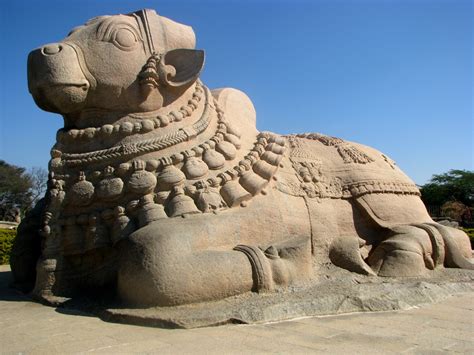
444 327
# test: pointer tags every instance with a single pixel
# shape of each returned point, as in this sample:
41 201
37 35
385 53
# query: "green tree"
455 185
15 189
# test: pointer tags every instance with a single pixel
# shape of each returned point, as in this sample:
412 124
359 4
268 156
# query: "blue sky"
395 75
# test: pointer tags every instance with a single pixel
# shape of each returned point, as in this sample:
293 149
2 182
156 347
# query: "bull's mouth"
65 97
84 86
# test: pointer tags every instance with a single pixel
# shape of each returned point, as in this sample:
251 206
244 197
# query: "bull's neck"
98 129
131 135
97 118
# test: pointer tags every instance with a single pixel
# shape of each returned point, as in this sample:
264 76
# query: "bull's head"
138 62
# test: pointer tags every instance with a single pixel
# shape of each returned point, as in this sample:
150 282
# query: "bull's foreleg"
163 266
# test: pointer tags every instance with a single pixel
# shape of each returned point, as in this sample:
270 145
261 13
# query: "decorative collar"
140 123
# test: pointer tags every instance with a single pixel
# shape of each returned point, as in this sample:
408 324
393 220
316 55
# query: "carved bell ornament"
272 158
195 168
169 177
81 192
234 140
228 150
110 187
181 204
149 211
252 182
210 200
122 225
213 159
141 182
264 169
234 194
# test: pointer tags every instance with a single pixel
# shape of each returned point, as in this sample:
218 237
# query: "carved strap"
260 267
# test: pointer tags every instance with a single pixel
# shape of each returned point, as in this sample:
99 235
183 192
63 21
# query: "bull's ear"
181 67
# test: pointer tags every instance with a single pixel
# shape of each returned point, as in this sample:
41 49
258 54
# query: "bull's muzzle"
56 79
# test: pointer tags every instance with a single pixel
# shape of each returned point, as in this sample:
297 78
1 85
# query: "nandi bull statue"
165 192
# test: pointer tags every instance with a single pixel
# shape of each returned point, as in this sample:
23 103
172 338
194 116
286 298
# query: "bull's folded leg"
457 247
149 277
345 253
165 270
410 250
406 252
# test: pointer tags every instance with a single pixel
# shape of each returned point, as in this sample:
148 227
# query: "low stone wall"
8 225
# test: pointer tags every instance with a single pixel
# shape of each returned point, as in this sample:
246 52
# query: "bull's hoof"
345 253
397 262
291 260
410 251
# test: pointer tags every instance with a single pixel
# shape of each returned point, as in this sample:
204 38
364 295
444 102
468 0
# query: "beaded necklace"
142 124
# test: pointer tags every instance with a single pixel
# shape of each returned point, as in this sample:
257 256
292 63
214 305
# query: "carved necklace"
144 124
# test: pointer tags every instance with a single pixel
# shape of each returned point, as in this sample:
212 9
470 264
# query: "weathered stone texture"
164 192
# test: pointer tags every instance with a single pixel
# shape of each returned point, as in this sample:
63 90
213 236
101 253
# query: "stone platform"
336 291
443 327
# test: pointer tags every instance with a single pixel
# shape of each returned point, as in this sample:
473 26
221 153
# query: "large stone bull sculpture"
165 192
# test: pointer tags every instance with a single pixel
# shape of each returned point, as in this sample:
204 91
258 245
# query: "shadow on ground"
10 294
6 292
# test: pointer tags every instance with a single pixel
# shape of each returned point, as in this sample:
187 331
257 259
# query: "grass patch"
6 243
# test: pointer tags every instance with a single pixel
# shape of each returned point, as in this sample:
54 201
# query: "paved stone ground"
445 327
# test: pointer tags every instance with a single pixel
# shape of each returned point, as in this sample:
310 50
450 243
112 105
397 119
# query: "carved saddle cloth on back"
324 167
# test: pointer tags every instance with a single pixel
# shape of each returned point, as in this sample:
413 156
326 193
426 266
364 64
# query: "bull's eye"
124 38
119 32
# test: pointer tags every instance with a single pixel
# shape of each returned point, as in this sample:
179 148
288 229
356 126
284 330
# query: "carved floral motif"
316 182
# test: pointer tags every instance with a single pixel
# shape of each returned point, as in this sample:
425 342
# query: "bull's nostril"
51 49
